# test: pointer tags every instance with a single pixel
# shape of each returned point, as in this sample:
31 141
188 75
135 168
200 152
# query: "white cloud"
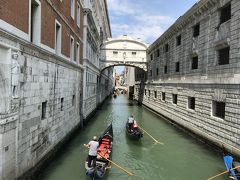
135 22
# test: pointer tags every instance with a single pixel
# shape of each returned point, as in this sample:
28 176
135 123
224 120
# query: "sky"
145 19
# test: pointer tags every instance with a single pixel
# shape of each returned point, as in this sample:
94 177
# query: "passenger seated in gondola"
130 122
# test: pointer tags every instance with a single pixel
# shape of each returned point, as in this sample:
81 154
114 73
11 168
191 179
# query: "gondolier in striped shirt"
92 154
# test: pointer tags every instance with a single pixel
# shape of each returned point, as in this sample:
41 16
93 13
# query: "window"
115 52
165 69
157 71
62 99
196 30
71 49
78 14
155 94
174 98
149 93
72 8
191 103
58 35
223 56
73 100
134 53
163 96
78 54
158 53
195 62
177 66
151 56
44 110
145 92
178 40
225 13
166 47
35 26
218 109
151 73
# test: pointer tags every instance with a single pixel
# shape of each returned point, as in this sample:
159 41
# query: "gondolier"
92 154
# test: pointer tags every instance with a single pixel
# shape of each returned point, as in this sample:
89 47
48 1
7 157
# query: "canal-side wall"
193 73
40 104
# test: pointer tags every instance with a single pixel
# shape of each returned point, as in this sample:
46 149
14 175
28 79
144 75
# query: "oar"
223 173
129 173
156 141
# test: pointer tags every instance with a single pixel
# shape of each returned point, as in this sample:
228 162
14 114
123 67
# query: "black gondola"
104 152
133 130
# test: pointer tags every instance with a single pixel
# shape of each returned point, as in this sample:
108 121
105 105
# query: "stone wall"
40 104
208 83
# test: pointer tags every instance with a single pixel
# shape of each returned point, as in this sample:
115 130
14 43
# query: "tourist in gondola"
130 122
92 154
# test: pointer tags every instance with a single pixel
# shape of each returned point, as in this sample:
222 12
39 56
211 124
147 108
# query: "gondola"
134 131
230 164
104 152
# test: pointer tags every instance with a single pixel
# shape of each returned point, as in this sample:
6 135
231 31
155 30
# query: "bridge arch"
123 51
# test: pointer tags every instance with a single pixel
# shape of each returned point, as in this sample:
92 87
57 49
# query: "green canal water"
180 158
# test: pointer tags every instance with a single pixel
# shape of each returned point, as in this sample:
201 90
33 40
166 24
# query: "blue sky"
145 19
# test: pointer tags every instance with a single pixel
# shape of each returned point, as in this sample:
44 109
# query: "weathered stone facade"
193 73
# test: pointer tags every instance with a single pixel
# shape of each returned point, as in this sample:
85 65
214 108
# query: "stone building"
193 73
97 84
41 80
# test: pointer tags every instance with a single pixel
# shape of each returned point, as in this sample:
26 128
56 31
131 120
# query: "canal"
181 157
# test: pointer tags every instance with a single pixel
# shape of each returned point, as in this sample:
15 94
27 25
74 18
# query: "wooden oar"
156 141
129 173
223 173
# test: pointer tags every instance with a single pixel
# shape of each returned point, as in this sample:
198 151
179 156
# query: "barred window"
165 69
196 30
166 47
223 56
218 109
163 96
177 66
157 71
178 40
225 13
174 98
195 62
155 94
158 53
191 103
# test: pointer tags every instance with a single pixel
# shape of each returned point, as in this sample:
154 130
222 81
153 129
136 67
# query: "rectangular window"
155 94
145 92
195 62
223 56
149 93
191 103
165 69
78 15
157 71
151 56
58 35
163 96
44 110
35 26
115 52
158 53
72 8
71 49
151 73
174 98
177 66
78 53
178 40
196 30
166 47
218 109
62 99
134 53
73 100
225 13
